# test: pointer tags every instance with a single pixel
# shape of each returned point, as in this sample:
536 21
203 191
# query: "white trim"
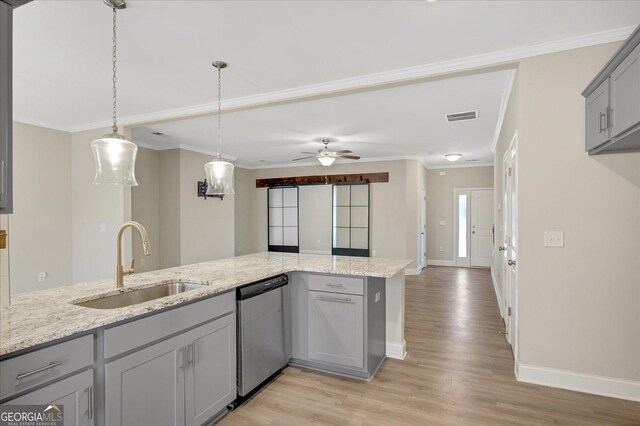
412 271
496 289
504 103
438 262
580 382
324 252
396 351
370 80
459 166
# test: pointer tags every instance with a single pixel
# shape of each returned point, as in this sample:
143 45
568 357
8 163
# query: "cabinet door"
6 120
596 129
74 394
147 386
336 328
625 94
211 369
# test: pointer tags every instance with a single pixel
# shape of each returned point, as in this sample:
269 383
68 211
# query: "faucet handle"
130 270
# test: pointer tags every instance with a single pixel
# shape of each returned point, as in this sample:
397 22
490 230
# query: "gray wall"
440 204
40 235
145 207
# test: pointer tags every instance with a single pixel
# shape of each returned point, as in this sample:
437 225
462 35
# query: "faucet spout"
146 245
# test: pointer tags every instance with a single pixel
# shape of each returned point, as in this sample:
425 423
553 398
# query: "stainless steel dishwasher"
262 343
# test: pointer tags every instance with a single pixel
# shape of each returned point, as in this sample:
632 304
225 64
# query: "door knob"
511 262
501 248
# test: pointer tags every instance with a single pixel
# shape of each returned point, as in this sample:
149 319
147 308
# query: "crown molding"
504 103
371 80
460 166
184 147
33 122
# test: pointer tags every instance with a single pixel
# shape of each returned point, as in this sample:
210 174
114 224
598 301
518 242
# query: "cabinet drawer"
35 368
335 284
125 337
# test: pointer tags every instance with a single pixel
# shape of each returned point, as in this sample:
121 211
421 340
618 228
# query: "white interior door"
510 243
482 227
423 227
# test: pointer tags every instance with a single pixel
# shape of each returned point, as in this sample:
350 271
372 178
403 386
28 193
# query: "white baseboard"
397 350
581 382
315 251
496 289
412 271
437 262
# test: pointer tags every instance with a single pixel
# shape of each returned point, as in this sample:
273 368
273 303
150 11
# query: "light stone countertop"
44 316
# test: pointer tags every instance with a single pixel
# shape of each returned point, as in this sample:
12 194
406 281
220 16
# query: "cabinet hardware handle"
334 285
511 262
189 354
501 248
334 299
1 178
89 411
603 116
181 356
51 365
609 117
193 353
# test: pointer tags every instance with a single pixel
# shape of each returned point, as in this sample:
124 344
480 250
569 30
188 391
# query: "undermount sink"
139 296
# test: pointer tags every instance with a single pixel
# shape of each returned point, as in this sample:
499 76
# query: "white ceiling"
406 121
62 67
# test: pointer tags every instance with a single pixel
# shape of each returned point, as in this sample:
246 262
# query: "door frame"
466 262
422 236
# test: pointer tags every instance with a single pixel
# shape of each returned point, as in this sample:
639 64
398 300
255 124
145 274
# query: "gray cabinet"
147 386
336 328
625 94
612 119
186 379
75 394
6 18
338 323
597 116
211 369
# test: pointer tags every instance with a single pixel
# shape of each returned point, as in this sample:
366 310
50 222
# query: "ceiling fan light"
115 160
326 161
453 157
219 177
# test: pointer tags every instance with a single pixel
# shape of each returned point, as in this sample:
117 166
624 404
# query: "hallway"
459 370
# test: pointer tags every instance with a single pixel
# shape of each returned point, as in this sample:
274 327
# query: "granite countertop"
43 316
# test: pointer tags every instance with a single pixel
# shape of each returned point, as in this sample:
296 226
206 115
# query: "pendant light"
114 155
219 172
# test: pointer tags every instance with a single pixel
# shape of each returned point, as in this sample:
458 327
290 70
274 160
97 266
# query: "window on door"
463 224
283 220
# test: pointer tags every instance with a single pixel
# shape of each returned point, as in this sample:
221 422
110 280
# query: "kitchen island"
106 358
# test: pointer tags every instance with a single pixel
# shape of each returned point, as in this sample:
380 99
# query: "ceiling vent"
158 134
461 116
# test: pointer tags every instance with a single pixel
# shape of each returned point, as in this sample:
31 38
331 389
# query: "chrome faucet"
120 271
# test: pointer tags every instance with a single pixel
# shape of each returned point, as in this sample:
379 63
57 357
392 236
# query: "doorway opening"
473 227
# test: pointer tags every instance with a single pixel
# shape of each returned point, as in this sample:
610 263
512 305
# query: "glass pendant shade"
115 160
326 161
219 177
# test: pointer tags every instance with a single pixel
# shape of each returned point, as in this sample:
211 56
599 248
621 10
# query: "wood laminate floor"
459 371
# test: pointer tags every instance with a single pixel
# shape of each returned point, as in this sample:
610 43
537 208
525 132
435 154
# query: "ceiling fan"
327 157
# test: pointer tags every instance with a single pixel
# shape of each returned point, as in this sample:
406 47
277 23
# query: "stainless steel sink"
139 296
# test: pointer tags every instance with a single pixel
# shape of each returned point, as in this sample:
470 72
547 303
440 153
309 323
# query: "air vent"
472 160
158 134
461 116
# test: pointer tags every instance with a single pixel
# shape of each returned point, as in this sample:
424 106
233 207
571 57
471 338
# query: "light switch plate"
443 173
442 222
441 248
554 239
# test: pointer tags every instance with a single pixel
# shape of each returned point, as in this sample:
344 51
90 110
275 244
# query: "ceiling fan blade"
344 151
306 152
303 158
350 157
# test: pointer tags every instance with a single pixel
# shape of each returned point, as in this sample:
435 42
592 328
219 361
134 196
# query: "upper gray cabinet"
612 119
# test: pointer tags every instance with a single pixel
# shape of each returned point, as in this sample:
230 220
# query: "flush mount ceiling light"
114 155
219 172
453 157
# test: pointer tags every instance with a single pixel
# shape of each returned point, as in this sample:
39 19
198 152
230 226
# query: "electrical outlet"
443 173
442 222
42 276
143 261
377 297
554 239
441 248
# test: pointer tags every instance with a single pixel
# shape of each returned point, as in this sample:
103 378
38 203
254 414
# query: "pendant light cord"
114 59
219 114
